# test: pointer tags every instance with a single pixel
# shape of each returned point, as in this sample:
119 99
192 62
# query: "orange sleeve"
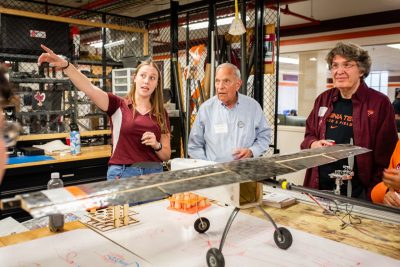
395 159
379 191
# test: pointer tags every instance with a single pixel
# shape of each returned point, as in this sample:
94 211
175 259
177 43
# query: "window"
378 80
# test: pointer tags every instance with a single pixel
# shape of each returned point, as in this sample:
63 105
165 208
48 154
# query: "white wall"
289 140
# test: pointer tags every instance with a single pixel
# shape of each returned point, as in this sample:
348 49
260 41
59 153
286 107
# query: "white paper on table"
10 226
167 239
81 247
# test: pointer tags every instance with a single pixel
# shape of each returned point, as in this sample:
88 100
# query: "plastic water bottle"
75 139
56 221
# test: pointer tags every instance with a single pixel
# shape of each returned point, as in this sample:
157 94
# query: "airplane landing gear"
201 225
282 237
215 258
214 255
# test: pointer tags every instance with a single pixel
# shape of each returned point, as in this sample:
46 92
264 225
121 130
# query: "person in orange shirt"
388 191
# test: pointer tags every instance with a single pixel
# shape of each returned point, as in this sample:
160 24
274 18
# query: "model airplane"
162 185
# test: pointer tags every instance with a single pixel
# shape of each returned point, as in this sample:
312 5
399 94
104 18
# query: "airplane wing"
162 185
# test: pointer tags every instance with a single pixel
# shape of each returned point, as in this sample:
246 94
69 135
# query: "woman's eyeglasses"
10 132
345 65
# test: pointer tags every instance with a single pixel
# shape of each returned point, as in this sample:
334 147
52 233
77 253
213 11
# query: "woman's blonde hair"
156 98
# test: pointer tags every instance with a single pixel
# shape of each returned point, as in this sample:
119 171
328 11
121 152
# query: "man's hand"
321 143
391 178
242 153
392 198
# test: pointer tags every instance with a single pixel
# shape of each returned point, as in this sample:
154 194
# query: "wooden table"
34 234
300 216
91 152
382 238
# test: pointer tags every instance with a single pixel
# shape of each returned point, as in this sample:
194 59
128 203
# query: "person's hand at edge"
391 178
392 198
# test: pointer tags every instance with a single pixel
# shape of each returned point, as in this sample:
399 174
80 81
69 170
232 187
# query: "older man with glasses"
351 112
9 130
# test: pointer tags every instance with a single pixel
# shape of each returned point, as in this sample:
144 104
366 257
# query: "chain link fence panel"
45 99
229 47
96 52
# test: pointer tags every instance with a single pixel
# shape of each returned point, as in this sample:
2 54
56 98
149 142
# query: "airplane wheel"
215 258
201 225
285 241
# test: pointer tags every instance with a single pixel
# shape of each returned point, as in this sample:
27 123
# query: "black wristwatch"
159 148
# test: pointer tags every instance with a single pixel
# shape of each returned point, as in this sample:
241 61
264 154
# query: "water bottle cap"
55 175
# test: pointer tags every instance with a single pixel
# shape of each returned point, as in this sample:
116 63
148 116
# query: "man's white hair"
230 65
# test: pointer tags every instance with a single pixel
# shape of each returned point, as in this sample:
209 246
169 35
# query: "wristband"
159 148
65 66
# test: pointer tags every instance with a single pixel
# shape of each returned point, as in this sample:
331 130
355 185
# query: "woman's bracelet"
159 148
65 66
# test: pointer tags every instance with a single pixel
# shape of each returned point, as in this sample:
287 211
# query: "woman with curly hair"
351 111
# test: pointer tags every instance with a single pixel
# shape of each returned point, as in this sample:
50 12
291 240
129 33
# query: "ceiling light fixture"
397 46
99 44
96 44
237 26
204 24
113 44
288 60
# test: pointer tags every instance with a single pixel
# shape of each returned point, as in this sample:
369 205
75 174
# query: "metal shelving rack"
30 80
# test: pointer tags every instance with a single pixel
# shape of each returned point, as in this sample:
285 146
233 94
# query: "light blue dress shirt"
218 131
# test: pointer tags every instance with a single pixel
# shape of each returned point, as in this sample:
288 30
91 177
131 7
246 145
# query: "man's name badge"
221 128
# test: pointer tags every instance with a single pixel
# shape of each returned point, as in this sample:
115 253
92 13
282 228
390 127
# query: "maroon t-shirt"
127 132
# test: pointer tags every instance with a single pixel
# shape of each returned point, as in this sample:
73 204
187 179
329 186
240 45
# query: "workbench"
89 166
167 238
382 238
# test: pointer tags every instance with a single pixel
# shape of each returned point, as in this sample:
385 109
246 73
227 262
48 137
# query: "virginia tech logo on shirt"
336 120
370 112
398 166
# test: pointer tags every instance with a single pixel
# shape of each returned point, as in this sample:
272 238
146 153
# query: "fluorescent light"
97 44
204 24
116 43
313 59
288 60
397 46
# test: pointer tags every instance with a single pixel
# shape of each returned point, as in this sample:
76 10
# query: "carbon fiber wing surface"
161 185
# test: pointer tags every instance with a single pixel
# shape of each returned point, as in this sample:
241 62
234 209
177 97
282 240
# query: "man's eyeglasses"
10 133
346 66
